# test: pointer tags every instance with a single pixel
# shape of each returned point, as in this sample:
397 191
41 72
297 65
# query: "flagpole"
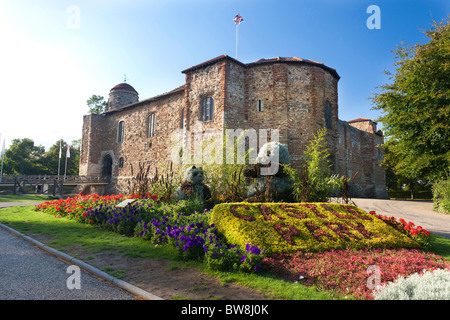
237 25
1 171
65 170
67 155
59 161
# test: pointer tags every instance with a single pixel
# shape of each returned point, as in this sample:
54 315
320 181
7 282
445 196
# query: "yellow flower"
282 227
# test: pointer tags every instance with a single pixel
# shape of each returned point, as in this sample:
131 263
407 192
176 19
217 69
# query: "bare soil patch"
164 278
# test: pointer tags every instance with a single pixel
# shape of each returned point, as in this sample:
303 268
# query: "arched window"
151 125
328 114
120 131
121 162
107 167
208 109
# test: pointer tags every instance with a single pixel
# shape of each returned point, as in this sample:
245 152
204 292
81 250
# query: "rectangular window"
260 105
151 125
207 109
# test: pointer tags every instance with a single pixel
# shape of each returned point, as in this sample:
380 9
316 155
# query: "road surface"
420 213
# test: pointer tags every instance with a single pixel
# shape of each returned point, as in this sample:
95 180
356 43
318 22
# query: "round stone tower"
121 95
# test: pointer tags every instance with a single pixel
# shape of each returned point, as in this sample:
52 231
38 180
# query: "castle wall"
359 154
91 144
137 148
290 97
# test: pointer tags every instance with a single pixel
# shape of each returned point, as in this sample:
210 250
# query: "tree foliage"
24 157
96 104
416 107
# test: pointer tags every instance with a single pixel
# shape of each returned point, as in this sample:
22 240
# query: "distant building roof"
359 120
265 61
123 86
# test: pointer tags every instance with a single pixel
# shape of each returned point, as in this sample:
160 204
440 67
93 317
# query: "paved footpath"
29 270
420 213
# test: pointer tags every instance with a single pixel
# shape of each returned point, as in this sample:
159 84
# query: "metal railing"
46 184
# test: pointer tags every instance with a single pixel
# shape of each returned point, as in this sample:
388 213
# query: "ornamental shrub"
345 272
313 183
441 196
283 228
427 285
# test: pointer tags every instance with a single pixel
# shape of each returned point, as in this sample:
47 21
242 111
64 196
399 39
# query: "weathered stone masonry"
293 95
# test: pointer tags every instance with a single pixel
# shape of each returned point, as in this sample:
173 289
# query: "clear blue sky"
56 54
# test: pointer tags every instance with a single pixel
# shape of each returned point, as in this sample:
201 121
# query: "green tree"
51 158
96 104
416 107
23 157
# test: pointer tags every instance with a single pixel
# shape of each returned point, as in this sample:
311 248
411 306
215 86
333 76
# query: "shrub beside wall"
441 196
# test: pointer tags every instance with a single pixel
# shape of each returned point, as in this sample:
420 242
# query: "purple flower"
243 258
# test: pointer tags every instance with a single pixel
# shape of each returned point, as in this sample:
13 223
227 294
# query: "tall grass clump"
313 181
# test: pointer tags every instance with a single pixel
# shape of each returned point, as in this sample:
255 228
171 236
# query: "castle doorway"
107 167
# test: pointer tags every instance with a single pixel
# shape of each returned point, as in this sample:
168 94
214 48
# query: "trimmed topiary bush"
284 228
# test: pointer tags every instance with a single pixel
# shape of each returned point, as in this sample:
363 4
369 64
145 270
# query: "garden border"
86 267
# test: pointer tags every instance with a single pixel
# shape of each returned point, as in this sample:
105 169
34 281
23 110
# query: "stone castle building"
295 96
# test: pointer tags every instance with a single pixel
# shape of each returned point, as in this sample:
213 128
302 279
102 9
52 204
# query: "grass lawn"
62 234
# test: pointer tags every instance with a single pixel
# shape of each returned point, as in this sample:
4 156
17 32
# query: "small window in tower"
151 125
328 114
207 109
121 161
120 131
260 105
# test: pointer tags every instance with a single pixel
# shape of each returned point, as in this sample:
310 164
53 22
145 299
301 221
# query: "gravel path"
421 213
15 204
28 273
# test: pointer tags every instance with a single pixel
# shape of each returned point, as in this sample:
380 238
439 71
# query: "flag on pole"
3 148
238 19
68 151
60 149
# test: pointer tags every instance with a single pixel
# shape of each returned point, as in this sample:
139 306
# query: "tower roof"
123 86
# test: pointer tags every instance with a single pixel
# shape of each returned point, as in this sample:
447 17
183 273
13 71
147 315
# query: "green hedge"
441 196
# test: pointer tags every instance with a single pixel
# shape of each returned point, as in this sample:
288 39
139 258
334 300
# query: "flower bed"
239 236
347 271
418 233
179 225
284 228
76 206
